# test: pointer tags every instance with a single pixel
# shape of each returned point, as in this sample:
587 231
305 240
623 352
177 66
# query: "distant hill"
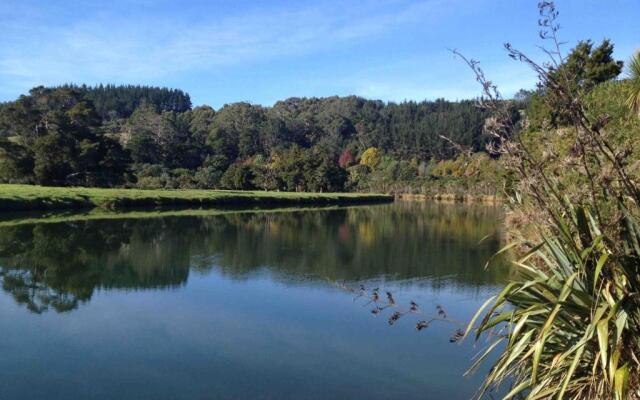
151 137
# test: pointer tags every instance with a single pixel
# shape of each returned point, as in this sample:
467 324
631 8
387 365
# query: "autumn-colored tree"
346 159
371 157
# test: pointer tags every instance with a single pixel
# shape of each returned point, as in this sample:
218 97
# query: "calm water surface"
244 304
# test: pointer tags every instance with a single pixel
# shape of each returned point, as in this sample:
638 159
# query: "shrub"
371 157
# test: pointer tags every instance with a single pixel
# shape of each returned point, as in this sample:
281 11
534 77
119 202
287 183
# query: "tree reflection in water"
58 266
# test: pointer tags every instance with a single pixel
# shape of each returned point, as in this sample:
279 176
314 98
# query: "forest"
109 136
151 137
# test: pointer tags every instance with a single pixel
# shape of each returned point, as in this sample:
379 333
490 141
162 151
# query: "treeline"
585 68
153 138
113 102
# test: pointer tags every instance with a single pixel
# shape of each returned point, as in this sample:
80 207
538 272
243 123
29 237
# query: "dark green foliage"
200 120
16 162
108 161
539 114
586 66
207 177
583 69
54 141
55 159
235 131
112 102
299 144
238 176
404 130
322 172
148 136
288 169
414 129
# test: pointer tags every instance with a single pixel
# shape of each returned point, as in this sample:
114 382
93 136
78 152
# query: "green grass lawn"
29 197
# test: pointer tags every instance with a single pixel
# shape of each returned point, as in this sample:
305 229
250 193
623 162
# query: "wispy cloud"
145 46
428 77
223 51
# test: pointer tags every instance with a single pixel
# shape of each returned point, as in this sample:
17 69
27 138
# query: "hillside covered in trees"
153 138
150 137
113 102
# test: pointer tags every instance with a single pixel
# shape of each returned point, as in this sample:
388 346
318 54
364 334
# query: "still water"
237 305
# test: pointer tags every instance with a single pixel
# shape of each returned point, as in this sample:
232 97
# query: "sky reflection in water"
243 305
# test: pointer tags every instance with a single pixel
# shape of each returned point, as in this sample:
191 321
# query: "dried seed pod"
394 317
457 336
390 298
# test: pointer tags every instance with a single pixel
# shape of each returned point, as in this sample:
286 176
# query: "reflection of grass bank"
27 197
452 198
26 218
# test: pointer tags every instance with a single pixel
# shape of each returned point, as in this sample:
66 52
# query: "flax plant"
569 326
633 99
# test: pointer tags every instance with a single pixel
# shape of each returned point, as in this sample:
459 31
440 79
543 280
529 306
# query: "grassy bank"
452 198
28 197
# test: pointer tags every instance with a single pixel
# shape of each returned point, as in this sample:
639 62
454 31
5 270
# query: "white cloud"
429 76
401 91
141 48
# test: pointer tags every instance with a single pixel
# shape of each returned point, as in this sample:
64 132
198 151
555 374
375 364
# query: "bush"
207 178
569 325
238 177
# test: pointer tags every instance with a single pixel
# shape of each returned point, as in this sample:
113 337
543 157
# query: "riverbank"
34 198
451 198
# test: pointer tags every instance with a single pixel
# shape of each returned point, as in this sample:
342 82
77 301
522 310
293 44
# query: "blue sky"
263 51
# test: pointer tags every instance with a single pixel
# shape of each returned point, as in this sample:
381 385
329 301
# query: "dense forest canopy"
112 102
153 137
